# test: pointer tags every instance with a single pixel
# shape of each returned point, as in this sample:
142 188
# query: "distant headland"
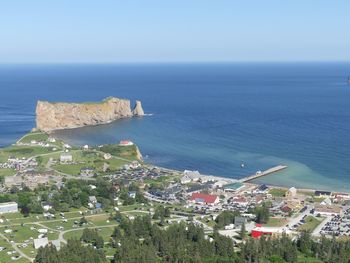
57 116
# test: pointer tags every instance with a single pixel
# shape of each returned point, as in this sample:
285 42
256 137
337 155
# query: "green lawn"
277 192
127 152
7 172
71 169
23 151
7 258
73 234
37 136
311 223
92 159
21 233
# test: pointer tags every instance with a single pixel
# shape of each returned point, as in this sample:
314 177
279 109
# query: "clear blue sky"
174 30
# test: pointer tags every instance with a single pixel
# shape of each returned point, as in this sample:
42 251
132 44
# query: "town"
52 192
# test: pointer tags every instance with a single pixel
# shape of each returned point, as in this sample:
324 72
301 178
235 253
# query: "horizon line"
170 62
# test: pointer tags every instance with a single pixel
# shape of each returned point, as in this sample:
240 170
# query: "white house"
51 139
9 207
190 176
92 199
291 192
66 158
107 156
42 230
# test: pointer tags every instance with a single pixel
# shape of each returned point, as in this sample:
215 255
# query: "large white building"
66 158
40 242
10 207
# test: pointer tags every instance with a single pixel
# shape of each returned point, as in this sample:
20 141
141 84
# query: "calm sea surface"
208 117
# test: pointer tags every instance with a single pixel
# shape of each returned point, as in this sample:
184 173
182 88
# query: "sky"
118 31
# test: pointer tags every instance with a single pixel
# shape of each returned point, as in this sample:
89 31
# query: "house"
326 201
86 147
105 167
134 165
258 199
66 158
51 139
132 194
200 198
259 231
322 193
239 200
125 143
92 199
42 230
46 206
9 207
87 172
190 176
286 209
40 242
291 193
107 156
262 189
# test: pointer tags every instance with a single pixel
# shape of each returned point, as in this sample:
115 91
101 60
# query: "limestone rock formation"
56 116
138 111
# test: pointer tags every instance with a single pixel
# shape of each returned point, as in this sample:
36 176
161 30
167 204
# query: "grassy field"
83 159
23 151
127 152
277 192
36 136
276 222
21 233
310 223
7 172
4 257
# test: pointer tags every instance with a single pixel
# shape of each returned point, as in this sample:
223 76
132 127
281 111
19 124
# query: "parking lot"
338 225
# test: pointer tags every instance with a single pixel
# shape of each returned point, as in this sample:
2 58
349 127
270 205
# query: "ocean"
207 117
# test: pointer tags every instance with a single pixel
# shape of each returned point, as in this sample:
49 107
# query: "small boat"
242 165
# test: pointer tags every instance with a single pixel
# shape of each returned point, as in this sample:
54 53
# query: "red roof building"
125 143
259 231
204 198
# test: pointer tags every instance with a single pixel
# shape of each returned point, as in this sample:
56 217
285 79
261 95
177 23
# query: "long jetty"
264 173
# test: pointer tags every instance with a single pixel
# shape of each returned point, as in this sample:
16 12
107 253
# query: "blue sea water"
207 117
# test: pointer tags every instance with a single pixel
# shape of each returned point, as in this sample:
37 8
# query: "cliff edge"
57 116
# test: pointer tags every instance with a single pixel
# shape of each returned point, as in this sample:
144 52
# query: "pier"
263 173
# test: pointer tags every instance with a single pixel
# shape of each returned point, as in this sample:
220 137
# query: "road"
295 220
317 230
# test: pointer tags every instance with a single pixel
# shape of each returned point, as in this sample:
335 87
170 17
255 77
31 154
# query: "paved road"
294 220
317 230
61 238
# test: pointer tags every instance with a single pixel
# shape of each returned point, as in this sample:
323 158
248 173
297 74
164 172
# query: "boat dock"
263 173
